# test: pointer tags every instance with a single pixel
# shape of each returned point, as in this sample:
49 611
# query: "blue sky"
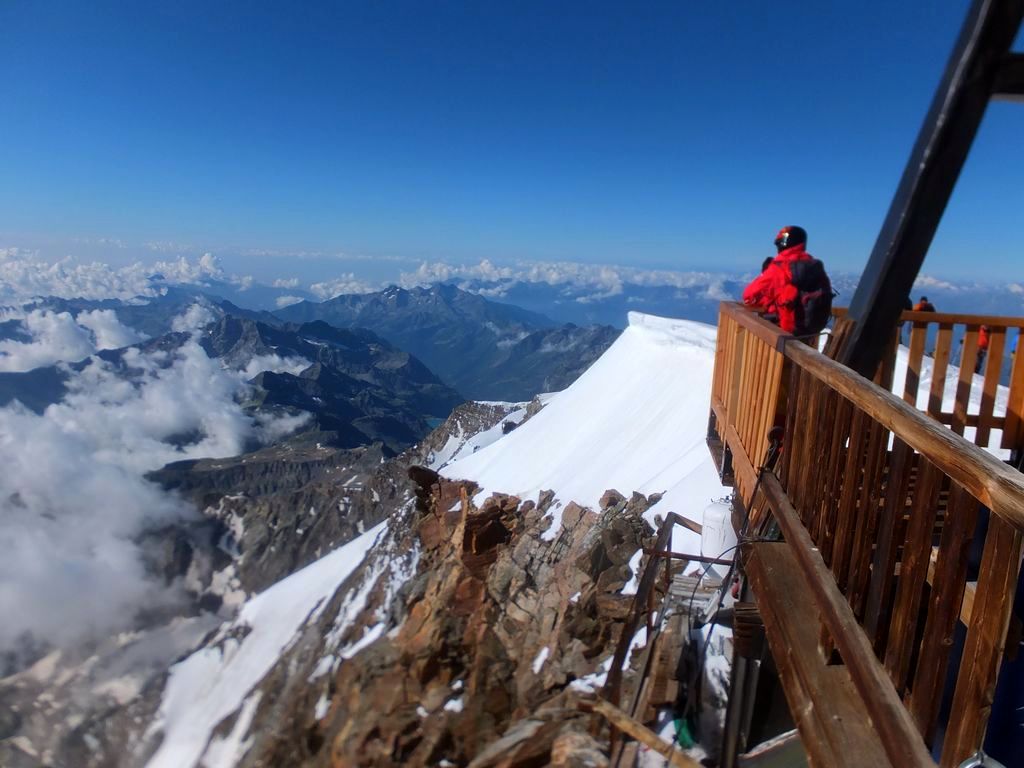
671 135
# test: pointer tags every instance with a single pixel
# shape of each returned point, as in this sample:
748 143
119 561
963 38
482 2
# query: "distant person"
924 305
793 289
982 348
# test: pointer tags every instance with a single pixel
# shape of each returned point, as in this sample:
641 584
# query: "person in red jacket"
773 292
979 364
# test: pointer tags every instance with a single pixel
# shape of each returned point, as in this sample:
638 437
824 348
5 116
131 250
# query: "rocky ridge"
480 653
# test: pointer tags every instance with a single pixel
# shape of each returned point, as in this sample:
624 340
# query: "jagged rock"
611 498
497 622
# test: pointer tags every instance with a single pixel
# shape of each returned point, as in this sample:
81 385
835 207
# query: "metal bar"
929 177
1010 78
684 556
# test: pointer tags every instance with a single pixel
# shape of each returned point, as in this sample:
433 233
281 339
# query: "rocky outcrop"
502 625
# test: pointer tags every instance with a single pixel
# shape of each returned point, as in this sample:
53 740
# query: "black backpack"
813 304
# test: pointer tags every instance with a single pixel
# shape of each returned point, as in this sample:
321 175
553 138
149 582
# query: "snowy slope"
949 394
218 680
635 421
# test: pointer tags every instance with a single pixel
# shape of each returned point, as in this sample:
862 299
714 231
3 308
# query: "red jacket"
773 291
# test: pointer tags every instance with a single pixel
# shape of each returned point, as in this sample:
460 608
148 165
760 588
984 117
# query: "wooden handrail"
753 322
952 318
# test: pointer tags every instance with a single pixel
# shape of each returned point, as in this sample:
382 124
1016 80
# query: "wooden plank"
993 369
834 471
917 549
795 433
784 751
835 727
940 364
848 500
1013 431
732 403
947 594
900 739
996 485
890 534
912 384
810 411
867 517
746 474
986 638
968 356
819 487
743 398
638 731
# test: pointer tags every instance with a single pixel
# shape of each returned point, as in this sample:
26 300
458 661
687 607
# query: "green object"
683 737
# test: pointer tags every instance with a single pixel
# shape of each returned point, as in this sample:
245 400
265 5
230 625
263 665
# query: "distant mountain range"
485 349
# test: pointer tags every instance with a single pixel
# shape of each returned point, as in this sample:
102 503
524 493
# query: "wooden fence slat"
891 532
867 518
968 357
944 609
794 434
1013 431
993 369
986 638
903 745
940 365
822 429
848 500
808 411
912 384
917 550
836 461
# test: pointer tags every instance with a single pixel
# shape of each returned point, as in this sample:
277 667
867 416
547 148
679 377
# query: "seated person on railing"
792 290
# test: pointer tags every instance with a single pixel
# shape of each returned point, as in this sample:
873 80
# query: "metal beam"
1010 79
929 177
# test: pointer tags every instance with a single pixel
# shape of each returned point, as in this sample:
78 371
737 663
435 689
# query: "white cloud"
57 336
107 330
346 283
286 282
287 301
72 495
260 363
192 319
934 283
594 281
25 276
54 336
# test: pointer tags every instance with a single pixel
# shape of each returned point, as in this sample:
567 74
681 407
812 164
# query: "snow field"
634 421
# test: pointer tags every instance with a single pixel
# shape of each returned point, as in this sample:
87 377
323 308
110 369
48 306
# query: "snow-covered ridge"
634 421
219 679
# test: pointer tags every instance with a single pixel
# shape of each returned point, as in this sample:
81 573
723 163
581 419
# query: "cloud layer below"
73 499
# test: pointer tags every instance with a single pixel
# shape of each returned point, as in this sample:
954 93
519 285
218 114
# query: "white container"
718 537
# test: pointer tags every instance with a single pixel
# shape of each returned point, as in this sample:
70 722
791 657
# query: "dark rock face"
280 508
484 349
357 386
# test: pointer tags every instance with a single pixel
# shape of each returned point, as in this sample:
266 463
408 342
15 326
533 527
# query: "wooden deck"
875 504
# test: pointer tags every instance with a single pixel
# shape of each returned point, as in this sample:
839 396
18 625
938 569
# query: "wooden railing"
879 503
974 404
